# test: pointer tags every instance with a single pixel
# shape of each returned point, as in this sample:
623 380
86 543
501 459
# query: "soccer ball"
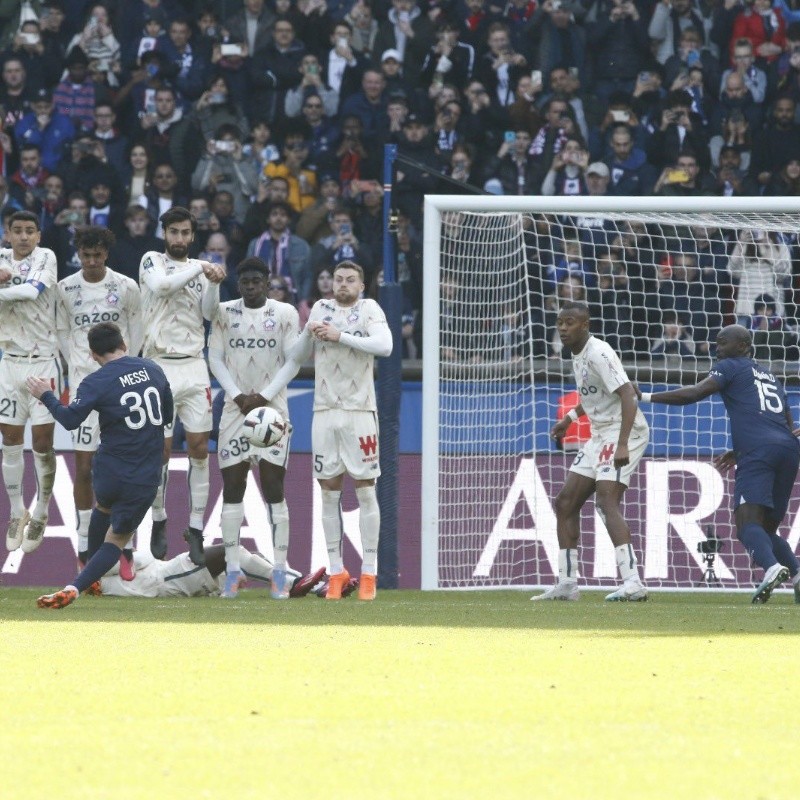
264 426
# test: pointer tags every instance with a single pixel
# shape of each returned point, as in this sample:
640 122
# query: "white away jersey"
173 324
29 326
255 343
598 375
343 375
81 304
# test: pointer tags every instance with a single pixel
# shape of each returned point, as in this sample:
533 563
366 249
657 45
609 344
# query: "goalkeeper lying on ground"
180 577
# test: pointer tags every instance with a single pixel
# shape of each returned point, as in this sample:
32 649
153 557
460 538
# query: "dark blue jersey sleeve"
71 416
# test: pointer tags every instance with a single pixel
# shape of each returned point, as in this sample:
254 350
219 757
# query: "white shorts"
17 404
178 577
191 393
233 446
596 458
345 441
86 437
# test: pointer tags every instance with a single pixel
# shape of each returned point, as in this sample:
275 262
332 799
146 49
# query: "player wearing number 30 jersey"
134 403
765 450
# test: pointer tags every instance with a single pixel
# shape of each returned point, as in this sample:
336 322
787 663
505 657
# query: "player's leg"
126 507
608 498
369 525
785 477
272 478
234 482
198 481
44 464
329 470
577 489
83 496
158 534
13 472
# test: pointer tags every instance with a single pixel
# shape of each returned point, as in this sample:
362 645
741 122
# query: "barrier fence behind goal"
661 276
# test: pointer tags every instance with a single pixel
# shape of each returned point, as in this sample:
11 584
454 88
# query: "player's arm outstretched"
684 396
71 416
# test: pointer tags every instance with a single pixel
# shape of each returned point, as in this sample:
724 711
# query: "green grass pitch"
417 695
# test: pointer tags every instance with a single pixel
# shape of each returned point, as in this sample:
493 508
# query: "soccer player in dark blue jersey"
765 449
133 399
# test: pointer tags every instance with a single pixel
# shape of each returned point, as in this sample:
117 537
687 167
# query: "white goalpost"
661 275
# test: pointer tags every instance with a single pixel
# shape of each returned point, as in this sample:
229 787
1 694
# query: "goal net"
661 276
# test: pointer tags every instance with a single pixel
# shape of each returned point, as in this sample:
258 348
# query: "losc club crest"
112 299
224 453
352 318
269 324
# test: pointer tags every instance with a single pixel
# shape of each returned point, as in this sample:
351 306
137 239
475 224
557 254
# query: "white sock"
370 527
158 510
568 565
626 563
198 491
332 528
232 516
279 517
83 529
13 469
45 466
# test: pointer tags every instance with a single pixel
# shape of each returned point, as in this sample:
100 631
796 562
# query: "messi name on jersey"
132 378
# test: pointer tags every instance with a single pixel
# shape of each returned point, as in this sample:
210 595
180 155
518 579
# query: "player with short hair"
178 293
765 450
250 341
95 294
604 464
134 403
344 334
28 276
180 577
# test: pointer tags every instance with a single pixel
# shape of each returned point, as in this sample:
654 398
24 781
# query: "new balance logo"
368 444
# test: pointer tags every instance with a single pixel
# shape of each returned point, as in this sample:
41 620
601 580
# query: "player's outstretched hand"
38 386
621 456
724 462
214 272
560 428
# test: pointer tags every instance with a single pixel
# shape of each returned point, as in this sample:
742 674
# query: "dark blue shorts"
127 501
765 477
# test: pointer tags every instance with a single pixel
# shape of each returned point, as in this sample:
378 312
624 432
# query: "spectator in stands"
610 302
136 177
500 66
314 223
75 95
675 339
27 182
364 27
53 27
787 181
631 174
43 62
131 245
409 31
344 65
413 182
222 168
50 131
286 254
186 68
760 263
523 112
449 59
215 107
97 38
161 196
253 25
61 237
342 245
518 172
598 179
684 178
311 86
557 40
103 211
621 47
690 55
462 168
777 144
115 144
765 28
53 202
680 131
88 165
731 178
276 69
15 92
567 85
391 68
754 78
550 138
321 288
368 104
681 289
736 102
301 180
672 19
566 175
736 134
279 289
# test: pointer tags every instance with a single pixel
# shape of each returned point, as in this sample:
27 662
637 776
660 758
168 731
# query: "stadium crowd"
267 119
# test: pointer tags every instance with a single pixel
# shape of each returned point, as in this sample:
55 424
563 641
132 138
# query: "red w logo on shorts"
369 444
607 453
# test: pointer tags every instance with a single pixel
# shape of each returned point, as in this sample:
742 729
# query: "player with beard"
178 293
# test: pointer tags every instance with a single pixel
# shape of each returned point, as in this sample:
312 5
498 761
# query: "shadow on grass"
665 614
